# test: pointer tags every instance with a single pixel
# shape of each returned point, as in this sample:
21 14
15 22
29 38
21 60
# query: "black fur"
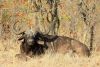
33 48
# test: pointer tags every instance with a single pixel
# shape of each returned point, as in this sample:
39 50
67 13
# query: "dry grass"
68 13
8 50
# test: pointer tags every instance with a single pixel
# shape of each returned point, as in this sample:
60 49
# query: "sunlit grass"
8 59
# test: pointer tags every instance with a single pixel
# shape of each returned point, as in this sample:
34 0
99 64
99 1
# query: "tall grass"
9 49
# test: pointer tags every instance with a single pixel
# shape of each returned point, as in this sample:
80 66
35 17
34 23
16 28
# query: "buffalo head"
30 45
27 37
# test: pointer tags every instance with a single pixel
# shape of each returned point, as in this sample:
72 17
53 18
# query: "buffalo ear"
40 42
22 37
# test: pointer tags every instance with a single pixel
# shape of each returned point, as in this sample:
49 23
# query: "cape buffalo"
31 44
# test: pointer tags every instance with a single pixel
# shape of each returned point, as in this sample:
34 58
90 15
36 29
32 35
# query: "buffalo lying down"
31 44
63 44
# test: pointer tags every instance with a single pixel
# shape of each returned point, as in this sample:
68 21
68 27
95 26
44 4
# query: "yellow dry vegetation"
24 11
9 49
